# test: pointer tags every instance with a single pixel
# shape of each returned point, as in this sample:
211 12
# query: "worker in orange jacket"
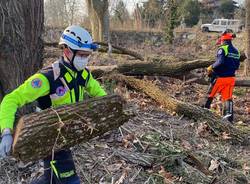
222 74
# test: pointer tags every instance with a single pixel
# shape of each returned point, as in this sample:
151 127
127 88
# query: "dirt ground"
152 147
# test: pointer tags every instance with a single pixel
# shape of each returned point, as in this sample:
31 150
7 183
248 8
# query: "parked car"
220 25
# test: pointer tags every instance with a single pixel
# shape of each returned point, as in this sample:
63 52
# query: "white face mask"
80 62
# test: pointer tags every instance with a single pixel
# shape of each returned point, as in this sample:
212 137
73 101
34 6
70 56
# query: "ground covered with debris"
156 146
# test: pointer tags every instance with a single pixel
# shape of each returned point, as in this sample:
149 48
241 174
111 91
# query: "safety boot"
208 103
228 111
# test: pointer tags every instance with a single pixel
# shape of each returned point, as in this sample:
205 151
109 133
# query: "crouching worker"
64 82
222 74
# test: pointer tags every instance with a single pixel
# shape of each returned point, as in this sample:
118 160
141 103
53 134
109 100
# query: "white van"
220 25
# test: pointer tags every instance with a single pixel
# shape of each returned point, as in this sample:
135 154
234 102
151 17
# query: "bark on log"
40 133
215 122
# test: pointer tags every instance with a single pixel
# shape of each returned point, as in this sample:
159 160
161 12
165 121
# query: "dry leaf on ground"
214 164
225 136
168 177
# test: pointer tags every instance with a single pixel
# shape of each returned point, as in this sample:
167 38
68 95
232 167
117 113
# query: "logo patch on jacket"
36 83
220 51
60 91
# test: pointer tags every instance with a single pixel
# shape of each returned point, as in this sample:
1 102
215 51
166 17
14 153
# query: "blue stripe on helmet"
79 43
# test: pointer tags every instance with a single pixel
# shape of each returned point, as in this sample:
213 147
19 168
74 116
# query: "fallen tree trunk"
192 78
242 82
121 50
38 134
163 68
171 69
215 122
99 71
116 49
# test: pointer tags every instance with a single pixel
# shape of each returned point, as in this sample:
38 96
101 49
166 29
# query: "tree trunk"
93 21
192 78
99 71
138 18
163 68
99 17
170 69
115 49
21 44
63 127
247 63
104 24
215 122
120 50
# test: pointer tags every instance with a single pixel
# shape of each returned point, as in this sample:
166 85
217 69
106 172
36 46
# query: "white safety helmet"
77 38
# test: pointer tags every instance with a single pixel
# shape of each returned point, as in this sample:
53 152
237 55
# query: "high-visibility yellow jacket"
56 85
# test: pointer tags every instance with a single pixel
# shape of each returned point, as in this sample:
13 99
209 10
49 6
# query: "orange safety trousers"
224 86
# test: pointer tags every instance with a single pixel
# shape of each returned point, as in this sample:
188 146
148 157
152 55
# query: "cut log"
214 121
40 133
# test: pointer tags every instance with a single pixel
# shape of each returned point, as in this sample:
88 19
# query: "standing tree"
99 18
137 17
247 63
55 13
190 12
173 20
121 13
62 13
152 12
71 9
226 9
21 44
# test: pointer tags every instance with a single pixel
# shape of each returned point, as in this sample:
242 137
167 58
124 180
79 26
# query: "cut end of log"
17 132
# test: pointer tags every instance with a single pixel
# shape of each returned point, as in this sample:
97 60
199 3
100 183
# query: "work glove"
6 143
209 71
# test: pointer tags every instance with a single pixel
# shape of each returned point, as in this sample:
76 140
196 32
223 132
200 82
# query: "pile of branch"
39 134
